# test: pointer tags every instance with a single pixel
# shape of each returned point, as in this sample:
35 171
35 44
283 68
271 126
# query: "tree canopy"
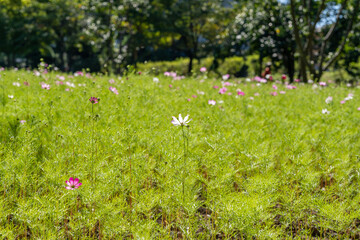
107 36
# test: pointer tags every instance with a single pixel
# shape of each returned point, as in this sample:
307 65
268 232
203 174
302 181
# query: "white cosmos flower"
212 102
328 100
325 111
348 98
10 96
180 121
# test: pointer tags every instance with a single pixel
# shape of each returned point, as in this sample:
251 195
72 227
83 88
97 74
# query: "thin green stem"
92 145
184 164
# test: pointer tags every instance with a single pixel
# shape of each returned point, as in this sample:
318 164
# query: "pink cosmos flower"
289 87
229 93
22 121
203 69
94 100
227 84
297 80
257 78
283 77
78 73
251 98
111 81
358 108
170 86
189 99
223 90
67 89
45 86
274 93
212 102
282 92
274 87
241 93
343 101
194 96
215 87
167 74
114 90
226 77
61 78
322 84
73 184
256 94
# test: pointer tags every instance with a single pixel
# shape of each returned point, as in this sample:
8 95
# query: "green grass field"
256 166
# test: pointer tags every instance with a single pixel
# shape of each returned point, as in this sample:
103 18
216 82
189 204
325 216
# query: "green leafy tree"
314 30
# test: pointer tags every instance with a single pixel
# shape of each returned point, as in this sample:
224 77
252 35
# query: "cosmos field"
253 160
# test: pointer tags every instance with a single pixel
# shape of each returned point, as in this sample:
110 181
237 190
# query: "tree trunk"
303 75
191 58
260 63
289 63
291 67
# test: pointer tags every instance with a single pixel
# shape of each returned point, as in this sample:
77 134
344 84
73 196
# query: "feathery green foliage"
270 168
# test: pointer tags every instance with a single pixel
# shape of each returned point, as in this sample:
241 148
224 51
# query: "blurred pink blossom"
212 102
223 90
226 77
203 69
114 90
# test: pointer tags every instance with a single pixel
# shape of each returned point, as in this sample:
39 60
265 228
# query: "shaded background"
300 38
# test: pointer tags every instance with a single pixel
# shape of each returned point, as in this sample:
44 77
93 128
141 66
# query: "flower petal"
76 181
71 180
180 119
69 188
175 121
68 183
186 118
78 184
